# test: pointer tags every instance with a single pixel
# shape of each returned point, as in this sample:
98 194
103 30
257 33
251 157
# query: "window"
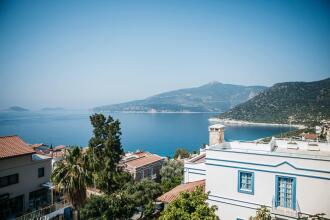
41 172
8 180
245 182
285 191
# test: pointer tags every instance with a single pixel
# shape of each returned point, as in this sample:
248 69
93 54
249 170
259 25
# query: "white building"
291 178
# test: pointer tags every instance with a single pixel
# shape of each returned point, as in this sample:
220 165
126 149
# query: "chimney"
217 135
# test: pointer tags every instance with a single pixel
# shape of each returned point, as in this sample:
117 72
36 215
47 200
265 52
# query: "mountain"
212 97
17 109
303 102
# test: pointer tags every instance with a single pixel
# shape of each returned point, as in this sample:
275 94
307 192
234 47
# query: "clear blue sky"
80 54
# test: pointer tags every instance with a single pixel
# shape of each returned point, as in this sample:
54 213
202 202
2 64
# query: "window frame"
239 189
9 180
293 190
43 172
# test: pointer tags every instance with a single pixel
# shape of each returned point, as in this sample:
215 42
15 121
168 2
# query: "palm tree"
71 176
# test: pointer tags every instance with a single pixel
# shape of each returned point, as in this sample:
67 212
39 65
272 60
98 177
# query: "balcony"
47 212
279 211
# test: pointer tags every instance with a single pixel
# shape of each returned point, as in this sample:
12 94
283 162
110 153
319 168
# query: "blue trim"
197 173
271 155
188 168
269 171
269 165
239 179
293 191
239 219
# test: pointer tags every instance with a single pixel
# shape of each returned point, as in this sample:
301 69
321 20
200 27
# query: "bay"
159 133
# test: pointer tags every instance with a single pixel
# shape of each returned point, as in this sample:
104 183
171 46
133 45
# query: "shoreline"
247 123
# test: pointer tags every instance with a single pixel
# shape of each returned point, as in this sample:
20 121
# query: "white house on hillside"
291 178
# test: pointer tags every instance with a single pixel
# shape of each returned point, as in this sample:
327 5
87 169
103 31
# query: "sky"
82 54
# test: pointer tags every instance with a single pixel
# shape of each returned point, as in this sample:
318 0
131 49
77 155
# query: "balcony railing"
41 213
283 211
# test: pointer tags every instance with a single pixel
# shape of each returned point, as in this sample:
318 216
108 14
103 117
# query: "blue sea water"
157 133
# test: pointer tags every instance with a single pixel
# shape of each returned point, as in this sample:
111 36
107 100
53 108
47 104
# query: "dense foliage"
190 206
303 102
109 207
144 194
171 174
71 176
105 151
182 153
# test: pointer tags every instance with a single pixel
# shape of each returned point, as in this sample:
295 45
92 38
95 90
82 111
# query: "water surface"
157 133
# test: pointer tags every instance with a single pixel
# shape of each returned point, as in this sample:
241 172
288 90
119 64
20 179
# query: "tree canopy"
190 206
181 153
171 174
105 152
71 175
262 213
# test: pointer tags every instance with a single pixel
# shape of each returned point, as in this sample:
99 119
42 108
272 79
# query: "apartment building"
24 178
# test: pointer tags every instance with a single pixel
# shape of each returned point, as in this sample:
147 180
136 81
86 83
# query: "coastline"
248 123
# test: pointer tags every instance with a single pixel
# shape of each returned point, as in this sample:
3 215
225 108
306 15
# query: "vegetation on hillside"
298 102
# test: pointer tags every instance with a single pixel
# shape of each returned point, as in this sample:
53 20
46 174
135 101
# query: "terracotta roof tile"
12 146
175 192
143 160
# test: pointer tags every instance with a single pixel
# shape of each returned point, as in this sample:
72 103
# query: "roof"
310 136
34 146
175 192
217 126
145 159
12 146
198 159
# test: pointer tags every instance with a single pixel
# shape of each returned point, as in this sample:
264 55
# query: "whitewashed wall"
312 187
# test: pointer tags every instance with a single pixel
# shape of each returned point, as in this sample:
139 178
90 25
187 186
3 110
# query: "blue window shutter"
276 191
294 193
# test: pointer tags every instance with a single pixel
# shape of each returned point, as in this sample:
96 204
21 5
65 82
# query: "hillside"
212 97
304 102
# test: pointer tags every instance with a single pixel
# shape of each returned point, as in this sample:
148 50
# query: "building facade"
23 178
291 178
143 165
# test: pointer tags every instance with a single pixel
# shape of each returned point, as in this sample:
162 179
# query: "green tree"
190 206
182 153
106 151
171 174
144 193
118 205
314 217
71 176
262 213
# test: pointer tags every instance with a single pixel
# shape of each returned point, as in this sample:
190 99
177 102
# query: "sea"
159 133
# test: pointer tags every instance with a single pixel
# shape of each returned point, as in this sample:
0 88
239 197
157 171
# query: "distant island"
289 102
212 97
17 109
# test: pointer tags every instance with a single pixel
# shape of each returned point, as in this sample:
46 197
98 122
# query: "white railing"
283 211
41 213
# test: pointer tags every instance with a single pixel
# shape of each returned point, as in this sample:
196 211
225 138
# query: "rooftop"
279 146
12 146
175 192
141 159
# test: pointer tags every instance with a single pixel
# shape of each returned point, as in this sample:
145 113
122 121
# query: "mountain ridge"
211 97
302 102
